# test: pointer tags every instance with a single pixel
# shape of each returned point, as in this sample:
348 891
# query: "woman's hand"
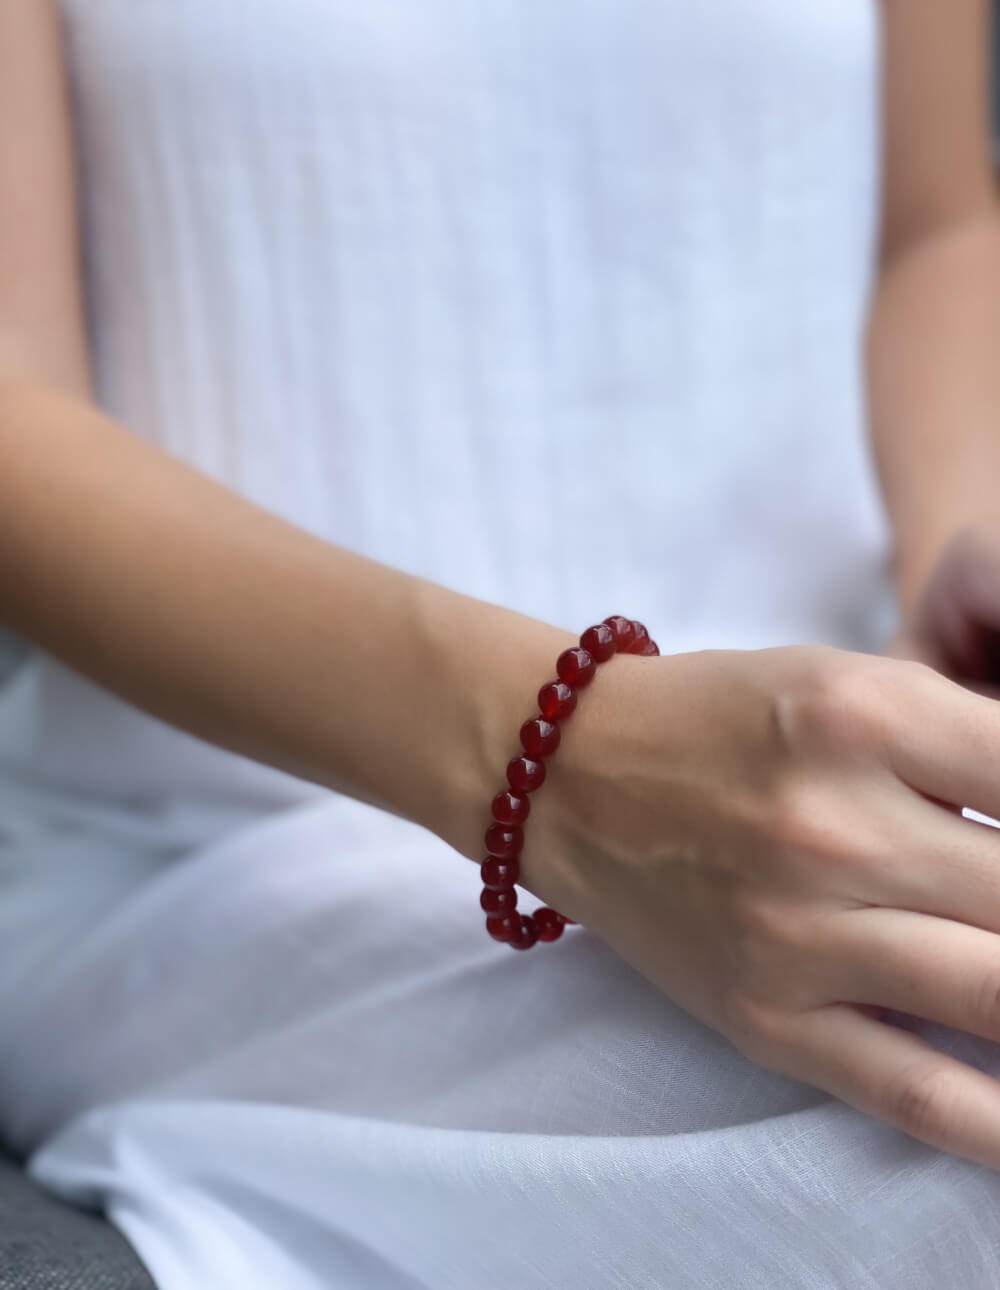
955 623
763 835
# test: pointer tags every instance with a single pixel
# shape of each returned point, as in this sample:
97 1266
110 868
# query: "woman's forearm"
220 618
934 367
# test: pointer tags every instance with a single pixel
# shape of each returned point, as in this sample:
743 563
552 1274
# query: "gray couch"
45 1245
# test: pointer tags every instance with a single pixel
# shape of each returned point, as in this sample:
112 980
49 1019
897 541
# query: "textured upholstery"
996 78
12 651
45 1245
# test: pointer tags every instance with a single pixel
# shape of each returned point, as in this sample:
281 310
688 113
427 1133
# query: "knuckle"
907 681
776 950
916 672
793 815
836 697
756 1030
804 821
818 841
762 926
923 1101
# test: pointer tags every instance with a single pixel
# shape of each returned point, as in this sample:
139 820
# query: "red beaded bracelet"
540 735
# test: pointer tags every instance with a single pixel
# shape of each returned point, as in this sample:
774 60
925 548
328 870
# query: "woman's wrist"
486 663
497 669
540 736
579 821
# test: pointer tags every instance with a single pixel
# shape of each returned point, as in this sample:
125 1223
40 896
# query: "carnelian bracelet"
540 735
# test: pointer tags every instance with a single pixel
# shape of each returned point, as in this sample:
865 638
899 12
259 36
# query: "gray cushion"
12 652
996 79
46 1245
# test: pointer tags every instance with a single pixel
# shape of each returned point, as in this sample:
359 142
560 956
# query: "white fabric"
562 305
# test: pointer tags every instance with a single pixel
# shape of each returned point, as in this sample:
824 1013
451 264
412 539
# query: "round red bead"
599 642
556 700
526 936
524 774
539 737
639 639
576 667
623 630
504 840
508 808
549 923
504 927
498 902
499 874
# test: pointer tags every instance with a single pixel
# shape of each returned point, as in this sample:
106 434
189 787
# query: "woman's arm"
189 601
41 318
935 332
222 619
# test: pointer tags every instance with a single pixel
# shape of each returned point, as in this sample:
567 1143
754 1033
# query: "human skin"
770 836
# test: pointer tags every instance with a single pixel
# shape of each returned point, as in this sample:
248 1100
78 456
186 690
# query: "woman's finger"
899 1078
944 741
933 860
934 968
